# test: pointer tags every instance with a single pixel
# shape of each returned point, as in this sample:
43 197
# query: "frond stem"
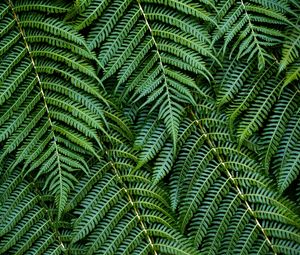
251 26
134 208
22 32
158 54
45 206
152 36
156 46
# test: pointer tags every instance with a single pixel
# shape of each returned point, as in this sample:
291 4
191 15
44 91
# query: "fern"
149 127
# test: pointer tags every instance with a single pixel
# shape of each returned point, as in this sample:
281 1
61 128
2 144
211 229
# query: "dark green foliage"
149 127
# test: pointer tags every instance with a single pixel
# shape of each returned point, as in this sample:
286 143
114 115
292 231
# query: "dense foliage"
149 127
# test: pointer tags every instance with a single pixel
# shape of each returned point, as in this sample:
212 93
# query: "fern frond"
130 34
228 206
293 73
122 212
26 226
232 79
290 50
249 27
283 110
247 94
256 114
286 153
35 119
155 140
41 5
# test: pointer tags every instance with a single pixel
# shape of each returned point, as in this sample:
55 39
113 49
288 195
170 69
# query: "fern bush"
149 127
